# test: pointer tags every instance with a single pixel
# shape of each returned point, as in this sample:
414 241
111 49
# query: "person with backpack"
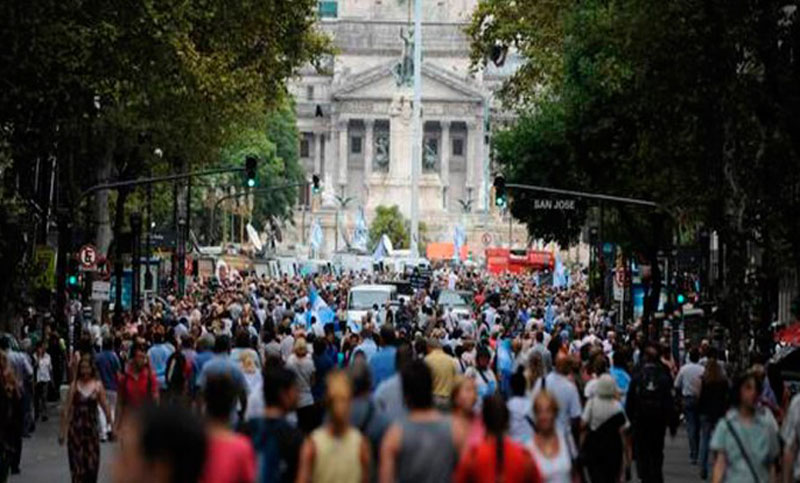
178 375
604 432
651 410
276 442
136 386
746 439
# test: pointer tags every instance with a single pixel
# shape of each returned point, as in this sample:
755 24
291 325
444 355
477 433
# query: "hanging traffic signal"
681 299
500 191
73 274
250 165
315 184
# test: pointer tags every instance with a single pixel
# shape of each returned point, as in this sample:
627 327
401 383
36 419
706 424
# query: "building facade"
355 119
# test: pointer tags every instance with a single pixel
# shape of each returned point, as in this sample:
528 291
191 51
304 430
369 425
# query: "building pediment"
378 83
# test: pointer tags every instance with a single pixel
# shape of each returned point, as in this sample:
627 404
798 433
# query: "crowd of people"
269 380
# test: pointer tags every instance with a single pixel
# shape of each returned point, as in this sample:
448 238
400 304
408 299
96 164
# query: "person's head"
338 397
360 376
387 334
518 384
746 391
280 388
219 395
483 357
563 363
320 345
545 411
464 395
495 415
300 347
108 344
86 368
417 385
222 344
164 444
404 355
694 355
138 356
242 338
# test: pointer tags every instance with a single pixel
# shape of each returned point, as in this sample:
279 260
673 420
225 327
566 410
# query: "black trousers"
648 439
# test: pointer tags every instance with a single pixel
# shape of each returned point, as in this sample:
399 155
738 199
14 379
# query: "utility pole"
416 119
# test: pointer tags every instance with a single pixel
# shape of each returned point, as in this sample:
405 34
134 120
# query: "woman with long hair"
497 457
79 422
746 438
711 405
10 416
550 446
467 422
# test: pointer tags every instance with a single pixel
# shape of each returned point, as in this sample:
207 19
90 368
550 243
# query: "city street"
44 461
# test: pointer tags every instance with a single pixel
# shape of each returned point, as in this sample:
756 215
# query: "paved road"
44 461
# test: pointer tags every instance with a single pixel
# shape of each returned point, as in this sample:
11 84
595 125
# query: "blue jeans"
706 428
692 425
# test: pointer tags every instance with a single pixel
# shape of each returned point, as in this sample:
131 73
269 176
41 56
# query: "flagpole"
416 142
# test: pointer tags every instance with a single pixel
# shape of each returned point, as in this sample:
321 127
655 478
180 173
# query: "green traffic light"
73 280
251 182
500 201
681 299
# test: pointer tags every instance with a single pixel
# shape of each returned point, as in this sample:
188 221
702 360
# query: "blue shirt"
623 381
368 347
223 364
108 366
158 355
382 365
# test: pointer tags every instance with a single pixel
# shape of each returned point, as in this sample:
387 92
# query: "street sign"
88 257
486 238
101 291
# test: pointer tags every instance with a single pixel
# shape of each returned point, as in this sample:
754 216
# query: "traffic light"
73 274
315 184
500 191
681 299
250 165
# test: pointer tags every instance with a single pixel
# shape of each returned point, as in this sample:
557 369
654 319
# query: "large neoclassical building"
355 120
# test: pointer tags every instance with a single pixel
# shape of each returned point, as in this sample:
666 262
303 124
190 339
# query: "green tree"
389 221
98 86
685 103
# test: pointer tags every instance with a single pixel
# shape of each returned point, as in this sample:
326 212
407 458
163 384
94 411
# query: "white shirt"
566 393
557 469
44 368
689 379
519 425
451 281
304 369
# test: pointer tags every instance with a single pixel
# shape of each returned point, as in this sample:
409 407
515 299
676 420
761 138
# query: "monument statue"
382 150
429 156
404 70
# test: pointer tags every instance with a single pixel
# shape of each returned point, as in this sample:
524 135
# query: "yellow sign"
44 268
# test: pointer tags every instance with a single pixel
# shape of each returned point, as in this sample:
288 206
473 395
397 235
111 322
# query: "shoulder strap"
742 450
483 376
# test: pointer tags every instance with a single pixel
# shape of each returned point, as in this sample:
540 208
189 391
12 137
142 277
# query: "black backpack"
175 375
652 395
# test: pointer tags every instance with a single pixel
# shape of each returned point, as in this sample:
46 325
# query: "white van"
363 298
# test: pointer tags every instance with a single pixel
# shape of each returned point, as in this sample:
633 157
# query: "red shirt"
480 464
133 387
229 459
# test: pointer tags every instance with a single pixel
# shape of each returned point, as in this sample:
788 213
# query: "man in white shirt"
565 392
688 384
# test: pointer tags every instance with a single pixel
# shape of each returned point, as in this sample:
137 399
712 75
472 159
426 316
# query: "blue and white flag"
559 274
459 240
360 232
317 237
549 316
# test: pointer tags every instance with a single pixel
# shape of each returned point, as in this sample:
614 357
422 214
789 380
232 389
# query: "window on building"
305 147
458 147
355 145
309 93
328 9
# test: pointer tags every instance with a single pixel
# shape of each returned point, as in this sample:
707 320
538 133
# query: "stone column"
472 148
477 165
369 145
445 149
330 155
342 126
317 153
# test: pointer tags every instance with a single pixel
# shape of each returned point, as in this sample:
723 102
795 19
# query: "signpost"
88 257
101 291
